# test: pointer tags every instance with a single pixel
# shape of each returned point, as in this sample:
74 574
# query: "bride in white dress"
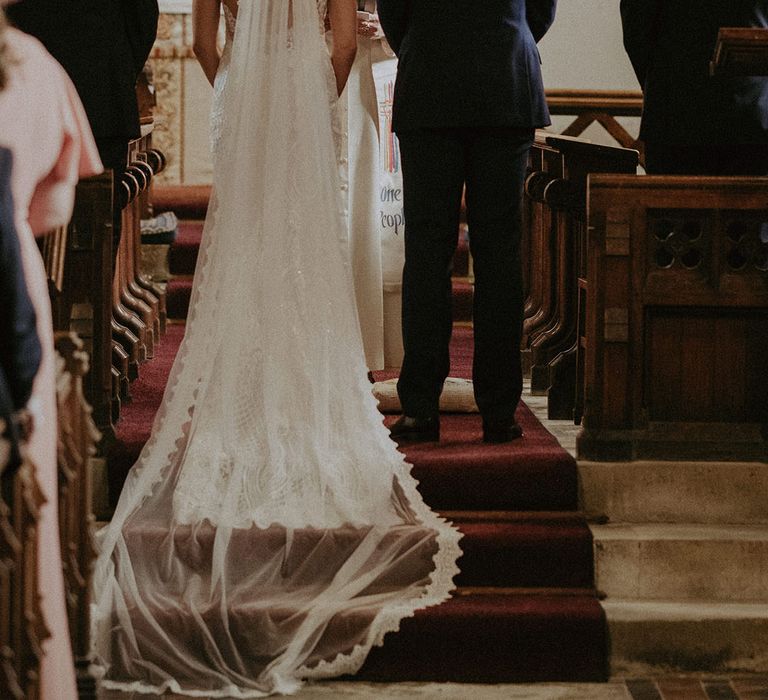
270 531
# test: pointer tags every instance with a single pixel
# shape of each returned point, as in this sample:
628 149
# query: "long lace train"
270 531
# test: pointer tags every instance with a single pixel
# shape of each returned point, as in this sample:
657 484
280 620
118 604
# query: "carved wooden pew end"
78 437
677 319
554 244
22 627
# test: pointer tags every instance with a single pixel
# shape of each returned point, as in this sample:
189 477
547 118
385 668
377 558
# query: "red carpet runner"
526 609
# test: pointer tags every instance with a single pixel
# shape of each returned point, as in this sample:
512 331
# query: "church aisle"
526 609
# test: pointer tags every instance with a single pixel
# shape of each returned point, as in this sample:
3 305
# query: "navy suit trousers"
437 164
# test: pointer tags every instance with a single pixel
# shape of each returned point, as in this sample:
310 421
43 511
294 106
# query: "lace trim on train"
174 442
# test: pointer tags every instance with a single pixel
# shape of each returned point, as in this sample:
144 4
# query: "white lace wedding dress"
270 531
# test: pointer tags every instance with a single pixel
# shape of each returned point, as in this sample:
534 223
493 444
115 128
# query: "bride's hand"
368 26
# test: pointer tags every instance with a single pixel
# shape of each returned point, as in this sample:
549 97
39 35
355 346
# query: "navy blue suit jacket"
467 63
670 44
20 351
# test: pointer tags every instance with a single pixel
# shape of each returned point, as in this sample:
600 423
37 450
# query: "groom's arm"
540 15
393 15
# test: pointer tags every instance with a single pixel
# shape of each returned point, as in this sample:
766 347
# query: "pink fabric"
44 124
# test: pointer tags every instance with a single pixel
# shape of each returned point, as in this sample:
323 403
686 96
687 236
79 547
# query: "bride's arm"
343 18
205 29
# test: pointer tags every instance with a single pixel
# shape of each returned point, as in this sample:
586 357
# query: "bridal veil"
270 532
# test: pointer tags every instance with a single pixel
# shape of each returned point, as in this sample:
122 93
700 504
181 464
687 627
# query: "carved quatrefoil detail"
678 241
747 245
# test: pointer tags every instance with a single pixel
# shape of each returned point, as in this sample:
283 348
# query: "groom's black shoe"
411 429
501 431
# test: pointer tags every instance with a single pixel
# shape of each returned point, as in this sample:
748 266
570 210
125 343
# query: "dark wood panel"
676 325
555 237
741 51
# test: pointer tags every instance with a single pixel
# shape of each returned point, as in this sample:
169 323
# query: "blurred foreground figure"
693 123
45 128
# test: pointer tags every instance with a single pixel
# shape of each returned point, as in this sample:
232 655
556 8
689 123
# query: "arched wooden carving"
77 445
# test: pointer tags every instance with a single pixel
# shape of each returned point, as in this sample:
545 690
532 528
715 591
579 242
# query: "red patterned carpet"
526 609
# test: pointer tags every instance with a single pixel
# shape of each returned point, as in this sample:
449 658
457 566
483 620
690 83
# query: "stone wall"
183 103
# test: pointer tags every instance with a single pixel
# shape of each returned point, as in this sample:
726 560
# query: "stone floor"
565 431
672 688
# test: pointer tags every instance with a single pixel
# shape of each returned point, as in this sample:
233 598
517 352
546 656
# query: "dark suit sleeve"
141 29
540 15
638 20
20 351
393 15
27 16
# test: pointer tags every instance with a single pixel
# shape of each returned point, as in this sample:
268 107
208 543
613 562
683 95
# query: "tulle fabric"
270 531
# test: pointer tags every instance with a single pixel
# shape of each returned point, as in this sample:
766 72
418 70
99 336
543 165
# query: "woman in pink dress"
42 122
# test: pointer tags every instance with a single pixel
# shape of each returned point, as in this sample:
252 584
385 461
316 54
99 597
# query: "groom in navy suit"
468 98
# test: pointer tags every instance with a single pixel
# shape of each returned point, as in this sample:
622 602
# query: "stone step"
182 256
466 474
462 266
463 297
669 636
683 492
682 562
533 550
186 201
180 291
524 549
497 635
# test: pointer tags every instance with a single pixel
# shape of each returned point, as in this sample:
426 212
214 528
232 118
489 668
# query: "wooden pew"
128 309
102 293
553 247
740 51
676 334
22 627
144 162
76 446
599 106
138 303
79 263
